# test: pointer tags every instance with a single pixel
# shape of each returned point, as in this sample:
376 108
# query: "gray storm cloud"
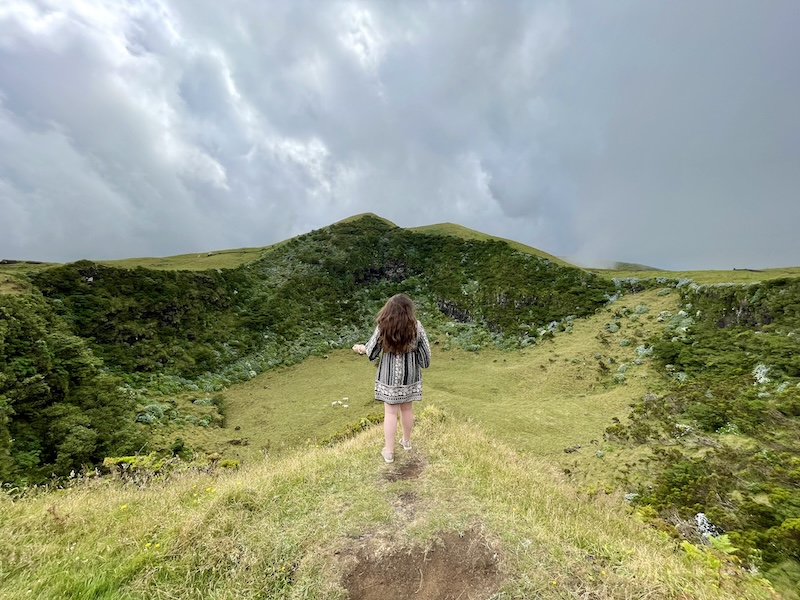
659 132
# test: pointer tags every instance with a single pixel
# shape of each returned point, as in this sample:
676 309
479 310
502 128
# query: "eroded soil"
408 468
455 566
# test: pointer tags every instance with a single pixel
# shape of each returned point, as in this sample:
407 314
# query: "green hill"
626 266
462 232
554 388
166 331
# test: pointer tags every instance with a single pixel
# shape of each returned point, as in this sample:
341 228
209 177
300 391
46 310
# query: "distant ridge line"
10 261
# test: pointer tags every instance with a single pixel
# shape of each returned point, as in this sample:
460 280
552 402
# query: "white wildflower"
760 373
705 526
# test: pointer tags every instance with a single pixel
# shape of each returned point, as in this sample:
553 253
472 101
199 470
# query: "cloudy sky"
664 132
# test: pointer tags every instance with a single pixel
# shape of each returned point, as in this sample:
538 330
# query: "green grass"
540 400
201 261
732 276
289 528
625 266
551 396
11 285
283 408
26 267
470 234
13 276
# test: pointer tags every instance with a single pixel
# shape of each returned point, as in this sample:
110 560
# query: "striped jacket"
399 376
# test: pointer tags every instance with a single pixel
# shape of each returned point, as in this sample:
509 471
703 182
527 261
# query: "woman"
403 346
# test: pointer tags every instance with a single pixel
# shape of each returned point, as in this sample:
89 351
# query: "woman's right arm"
373 346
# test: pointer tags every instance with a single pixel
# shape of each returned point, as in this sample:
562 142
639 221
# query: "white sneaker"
405 444
387 456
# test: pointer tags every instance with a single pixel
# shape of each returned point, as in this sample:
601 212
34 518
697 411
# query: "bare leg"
407 419
390 424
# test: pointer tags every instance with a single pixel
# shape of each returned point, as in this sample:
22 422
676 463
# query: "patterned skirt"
398 394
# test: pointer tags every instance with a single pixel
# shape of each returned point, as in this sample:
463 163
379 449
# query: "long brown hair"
397 324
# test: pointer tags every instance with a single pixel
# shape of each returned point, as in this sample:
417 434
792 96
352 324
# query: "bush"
732 355
56 402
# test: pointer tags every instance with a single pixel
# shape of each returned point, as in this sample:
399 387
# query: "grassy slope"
25 267
10 285
224 259
541 399
470 234
625 266
13 277
290 528
737 276
220 259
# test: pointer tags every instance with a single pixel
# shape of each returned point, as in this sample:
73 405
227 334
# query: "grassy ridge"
704 277
201 261
722 438
290 528
459 231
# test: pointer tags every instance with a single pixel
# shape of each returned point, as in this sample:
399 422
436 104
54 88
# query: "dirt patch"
407 469
454 567
404 505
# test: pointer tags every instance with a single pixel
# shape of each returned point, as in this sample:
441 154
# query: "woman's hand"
360 349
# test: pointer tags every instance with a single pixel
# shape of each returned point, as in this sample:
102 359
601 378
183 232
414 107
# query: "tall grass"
279 529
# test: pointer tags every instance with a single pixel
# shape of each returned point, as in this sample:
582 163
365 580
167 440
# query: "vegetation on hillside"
702 277
316 292
465 233
58 409
725 437
165 331
143 321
